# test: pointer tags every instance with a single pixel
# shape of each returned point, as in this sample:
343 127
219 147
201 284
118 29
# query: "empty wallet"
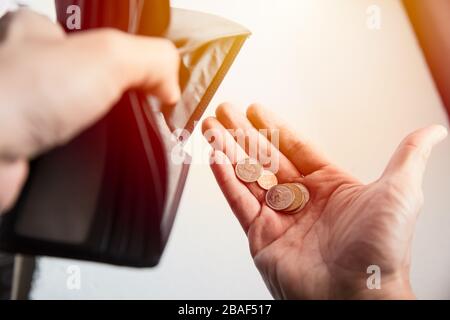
112 193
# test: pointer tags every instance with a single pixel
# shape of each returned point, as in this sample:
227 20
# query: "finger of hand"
12 178
297 149
97 67
158 74
244 205
145 63
91 71
256 144
411 156
220 139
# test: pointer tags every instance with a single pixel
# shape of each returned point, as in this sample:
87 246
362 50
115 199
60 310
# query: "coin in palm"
267 180
280 197
298 198
249 170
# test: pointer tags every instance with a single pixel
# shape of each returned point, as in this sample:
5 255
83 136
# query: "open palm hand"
324 251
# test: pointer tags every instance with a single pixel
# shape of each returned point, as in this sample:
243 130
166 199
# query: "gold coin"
306 195
280 197
306 198
299 197
267 180
249 170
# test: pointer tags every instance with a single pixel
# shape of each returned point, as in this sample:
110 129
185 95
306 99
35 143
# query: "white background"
354 91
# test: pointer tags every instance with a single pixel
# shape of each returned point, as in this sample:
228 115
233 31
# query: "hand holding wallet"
111 194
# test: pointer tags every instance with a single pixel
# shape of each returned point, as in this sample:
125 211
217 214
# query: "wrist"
392 288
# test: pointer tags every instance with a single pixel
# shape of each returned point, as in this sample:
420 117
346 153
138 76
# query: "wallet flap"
190 30
208 45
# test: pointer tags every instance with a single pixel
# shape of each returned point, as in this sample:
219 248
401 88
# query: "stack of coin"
289 197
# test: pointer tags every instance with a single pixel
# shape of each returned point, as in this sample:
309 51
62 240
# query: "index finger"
298 150
146 63
91 70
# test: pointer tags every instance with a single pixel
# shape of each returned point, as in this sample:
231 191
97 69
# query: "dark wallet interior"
111 194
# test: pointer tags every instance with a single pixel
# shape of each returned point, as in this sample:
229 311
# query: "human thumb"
410 159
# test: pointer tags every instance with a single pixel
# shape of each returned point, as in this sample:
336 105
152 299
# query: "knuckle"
168 48
19 16
235 202
296 147
23 23
57 30
415 149
109 40
10 24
